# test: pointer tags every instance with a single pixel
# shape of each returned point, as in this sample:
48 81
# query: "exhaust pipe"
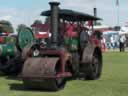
54 23
95 14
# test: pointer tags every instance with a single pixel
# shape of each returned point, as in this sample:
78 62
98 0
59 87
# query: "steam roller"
66 54
11 48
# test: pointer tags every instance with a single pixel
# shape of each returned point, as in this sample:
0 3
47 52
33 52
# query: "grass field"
114 82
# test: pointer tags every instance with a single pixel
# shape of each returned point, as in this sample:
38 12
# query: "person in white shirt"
103 42
112 40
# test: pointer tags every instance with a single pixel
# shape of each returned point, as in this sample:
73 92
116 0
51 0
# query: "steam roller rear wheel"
75 63
94 69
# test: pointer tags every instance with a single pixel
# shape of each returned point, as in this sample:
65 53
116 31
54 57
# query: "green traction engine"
11 47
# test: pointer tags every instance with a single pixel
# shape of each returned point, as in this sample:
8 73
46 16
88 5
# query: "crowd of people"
114 42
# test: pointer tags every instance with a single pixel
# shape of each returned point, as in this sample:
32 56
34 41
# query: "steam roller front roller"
43 73
10 53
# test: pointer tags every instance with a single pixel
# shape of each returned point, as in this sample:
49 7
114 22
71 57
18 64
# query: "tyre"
75 63
93 70
10 66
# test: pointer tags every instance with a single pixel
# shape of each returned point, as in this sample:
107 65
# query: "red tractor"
68 52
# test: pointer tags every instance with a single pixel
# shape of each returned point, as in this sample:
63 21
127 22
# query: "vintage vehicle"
69 52
11 46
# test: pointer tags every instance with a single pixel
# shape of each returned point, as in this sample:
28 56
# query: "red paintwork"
61 55
7 33
2 39
95 41
41 36
69 31
41 28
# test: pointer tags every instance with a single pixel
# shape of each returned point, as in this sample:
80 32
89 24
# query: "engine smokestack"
95 14
54 22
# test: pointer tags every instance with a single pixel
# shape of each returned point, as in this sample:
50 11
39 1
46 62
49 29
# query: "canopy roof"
71 15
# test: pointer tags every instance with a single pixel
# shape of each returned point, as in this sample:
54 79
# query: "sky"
26 11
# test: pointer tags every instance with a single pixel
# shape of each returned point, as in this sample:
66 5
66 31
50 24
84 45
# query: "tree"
6 26
117 28
98 23
20 27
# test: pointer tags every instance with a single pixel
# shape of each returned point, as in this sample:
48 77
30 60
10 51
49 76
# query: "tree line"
6 26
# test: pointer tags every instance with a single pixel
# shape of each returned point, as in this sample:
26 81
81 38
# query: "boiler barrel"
7 50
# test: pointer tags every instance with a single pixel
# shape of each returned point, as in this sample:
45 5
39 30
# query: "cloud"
8 18
8 11
17 16
81 5
106 9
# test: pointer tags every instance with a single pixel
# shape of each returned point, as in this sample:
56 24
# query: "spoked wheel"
94 69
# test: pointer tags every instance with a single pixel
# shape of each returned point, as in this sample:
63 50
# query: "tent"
110 33
123 30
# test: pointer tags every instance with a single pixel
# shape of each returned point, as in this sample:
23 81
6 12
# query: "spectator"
112 40
103 42
122 43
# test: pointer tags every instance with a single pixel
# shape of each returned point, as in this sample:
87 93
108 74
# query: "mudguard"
39 67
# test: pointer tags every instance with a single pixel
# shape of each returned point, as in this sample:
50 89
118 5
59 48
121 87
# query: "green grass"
114 82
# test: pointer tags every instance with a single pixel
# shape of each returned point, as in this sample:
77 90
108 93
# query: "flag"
117 2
